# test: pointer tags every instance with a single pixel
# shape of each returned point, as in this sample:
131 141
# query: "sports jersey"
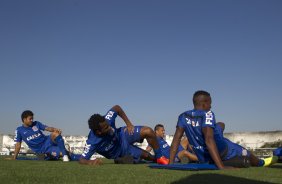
109 145
31 135
193 122
166 148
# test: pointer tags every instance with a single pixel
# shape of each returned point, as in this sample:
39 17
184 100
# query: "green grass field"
71 172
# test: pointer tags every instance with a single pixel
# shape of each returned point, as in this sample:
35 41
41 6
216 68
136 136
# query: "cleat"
270 161
163 160
66 158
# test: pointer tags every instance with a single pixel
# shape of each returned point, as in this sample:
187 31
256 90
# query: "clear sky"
66 60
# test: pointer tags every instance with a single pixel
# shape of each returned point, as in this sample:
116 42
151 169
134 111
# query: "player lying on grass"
184 150
51 147
207 139
117 143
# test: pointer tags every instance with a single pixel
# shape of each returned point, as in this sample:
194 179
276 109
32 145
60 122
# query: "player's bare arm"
209 140
90 162
175 143
17 150
52 129
121 113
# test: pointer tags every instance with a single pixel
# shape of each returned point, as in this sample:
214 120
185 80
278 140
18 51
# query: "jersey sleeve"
209 120
18 137
111 117
181 121
41 126
89 150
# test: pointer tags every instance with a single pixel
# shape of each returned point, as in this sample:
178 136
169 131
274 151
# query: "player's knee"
222 125
54 135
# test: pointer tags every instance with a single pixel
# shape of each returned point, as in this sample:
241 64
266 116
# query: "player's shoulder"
19 128
36 123
185 114
93 139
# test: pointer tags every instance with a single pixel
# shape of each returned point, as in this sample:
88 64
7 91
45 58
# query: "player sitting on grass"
207 139
117 143
182 153
51 147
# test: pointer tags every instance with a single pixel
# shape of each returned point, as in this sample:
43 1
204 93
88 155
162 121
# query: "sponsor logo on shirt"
193 123
165 145
109 115
33 136
34 128
109 146
86 149
209 118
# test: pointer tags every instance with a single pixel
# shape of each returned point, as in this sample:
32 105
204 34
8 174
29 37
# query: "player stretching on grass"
117 143
206 138
52 146
182 151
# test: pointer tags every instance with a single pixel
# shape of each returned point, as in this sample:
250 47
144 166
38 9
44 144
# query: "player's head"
159 130
99 125
27 117
202 100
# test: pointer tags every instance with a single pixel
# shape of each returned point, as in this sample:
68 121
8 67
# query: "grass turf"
28 171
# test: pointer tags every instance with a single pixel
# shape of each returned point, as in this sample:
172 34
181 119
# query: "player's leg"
58 139
143 132
239 155
184 143
148 134
184 154
222 126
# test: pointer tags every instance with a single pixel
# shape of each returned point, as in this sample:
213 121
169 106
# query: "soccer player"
52 146
117 143
182 152
206 138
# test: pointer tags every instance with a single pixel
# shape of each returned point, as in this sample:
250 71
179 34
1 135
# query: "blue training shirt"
32 135
166 148
193 122
109 146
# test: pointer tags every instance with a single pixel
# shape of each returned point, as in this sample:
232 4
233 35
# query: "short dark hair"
158 126
94 122
199 93
26 113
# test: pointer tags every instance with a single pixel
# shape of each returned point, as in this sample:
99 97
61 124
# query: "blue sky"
66 60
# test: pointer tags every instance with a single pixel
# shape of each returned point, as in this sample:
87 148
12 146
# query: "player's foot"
270 161
124 160
66 158
163 160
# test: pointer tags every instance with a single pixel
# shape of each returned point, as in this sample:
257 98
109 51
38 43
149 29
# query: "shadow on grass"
217 178
276 166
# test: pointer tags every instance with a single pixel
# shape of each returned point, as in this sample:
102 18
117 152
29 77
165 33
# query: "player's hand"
10 158
59 131
228 168
130 129
95 162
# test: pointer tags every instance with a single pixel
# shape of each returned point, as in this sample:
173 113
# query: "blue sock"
75 157
158 153
261 163
60 142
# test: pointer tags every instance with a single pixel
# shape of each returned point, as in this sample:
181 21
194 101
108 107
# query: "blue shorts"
127 142
235 150
231 150
51 149
180 148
